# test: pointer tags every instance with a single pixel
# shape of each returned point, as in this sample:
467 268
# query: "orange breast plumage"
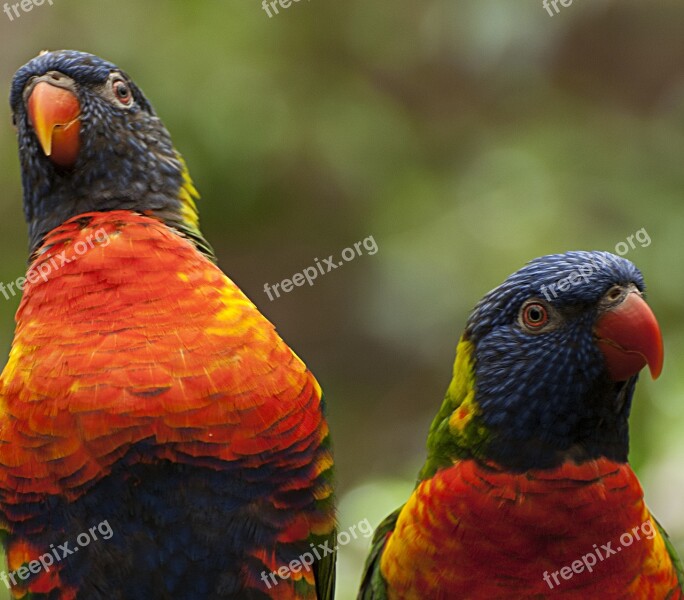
576 532
134 352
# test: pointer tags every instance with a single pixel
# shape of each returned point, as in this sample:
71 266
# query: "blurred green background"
465 136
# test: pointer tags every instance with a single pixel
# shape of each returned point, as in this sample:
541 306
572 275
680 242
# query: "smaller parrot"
526 491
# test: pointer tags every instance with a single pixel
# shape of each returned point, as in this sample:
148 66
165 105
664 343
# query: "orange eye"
535 315
122 92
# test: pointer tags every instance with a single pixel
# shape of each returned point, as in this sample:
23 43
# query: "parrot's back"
146 395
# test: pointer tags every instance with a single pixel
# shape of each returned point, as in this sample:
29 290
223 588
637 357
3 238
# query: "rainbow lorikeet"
526 491
158 440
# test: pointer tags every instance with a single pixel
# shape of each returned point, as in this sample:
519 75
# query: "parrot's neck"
482 532
462 429
161 188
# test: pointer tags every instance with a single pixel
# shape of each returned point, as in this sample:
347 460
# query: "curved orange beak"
629 337
54 114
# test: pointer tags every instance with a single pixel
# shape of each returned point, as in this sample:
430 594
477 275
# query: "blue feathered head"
553 355
89 140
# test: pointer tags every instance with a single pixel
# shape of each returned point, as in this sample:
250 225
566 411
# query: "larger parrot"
526 492
144 394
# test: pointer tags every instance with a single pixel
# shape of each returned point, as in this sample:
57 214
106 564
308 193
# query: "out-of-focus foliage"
465 136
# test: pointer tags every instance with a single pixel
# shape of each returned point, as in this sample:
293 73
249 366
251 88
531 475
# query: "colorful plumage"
526 491
143 388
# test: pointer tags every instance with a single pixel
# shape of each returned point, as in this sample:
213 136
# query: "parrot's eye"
122 92
534 316
614 293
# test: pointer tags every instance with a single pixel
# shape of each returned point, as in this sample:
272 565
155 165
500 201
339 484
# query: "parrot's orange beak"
629 337
54 114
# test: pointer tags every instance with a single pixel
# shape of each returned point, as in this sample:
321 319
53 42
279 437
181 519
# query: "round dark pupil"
535 315
121 90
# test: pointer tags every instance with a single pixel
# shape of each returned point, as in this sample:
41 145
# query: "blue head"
556 349
90 141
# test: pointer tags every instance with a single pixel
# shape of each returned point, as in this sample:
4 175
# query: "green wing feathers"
676 561
372 583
